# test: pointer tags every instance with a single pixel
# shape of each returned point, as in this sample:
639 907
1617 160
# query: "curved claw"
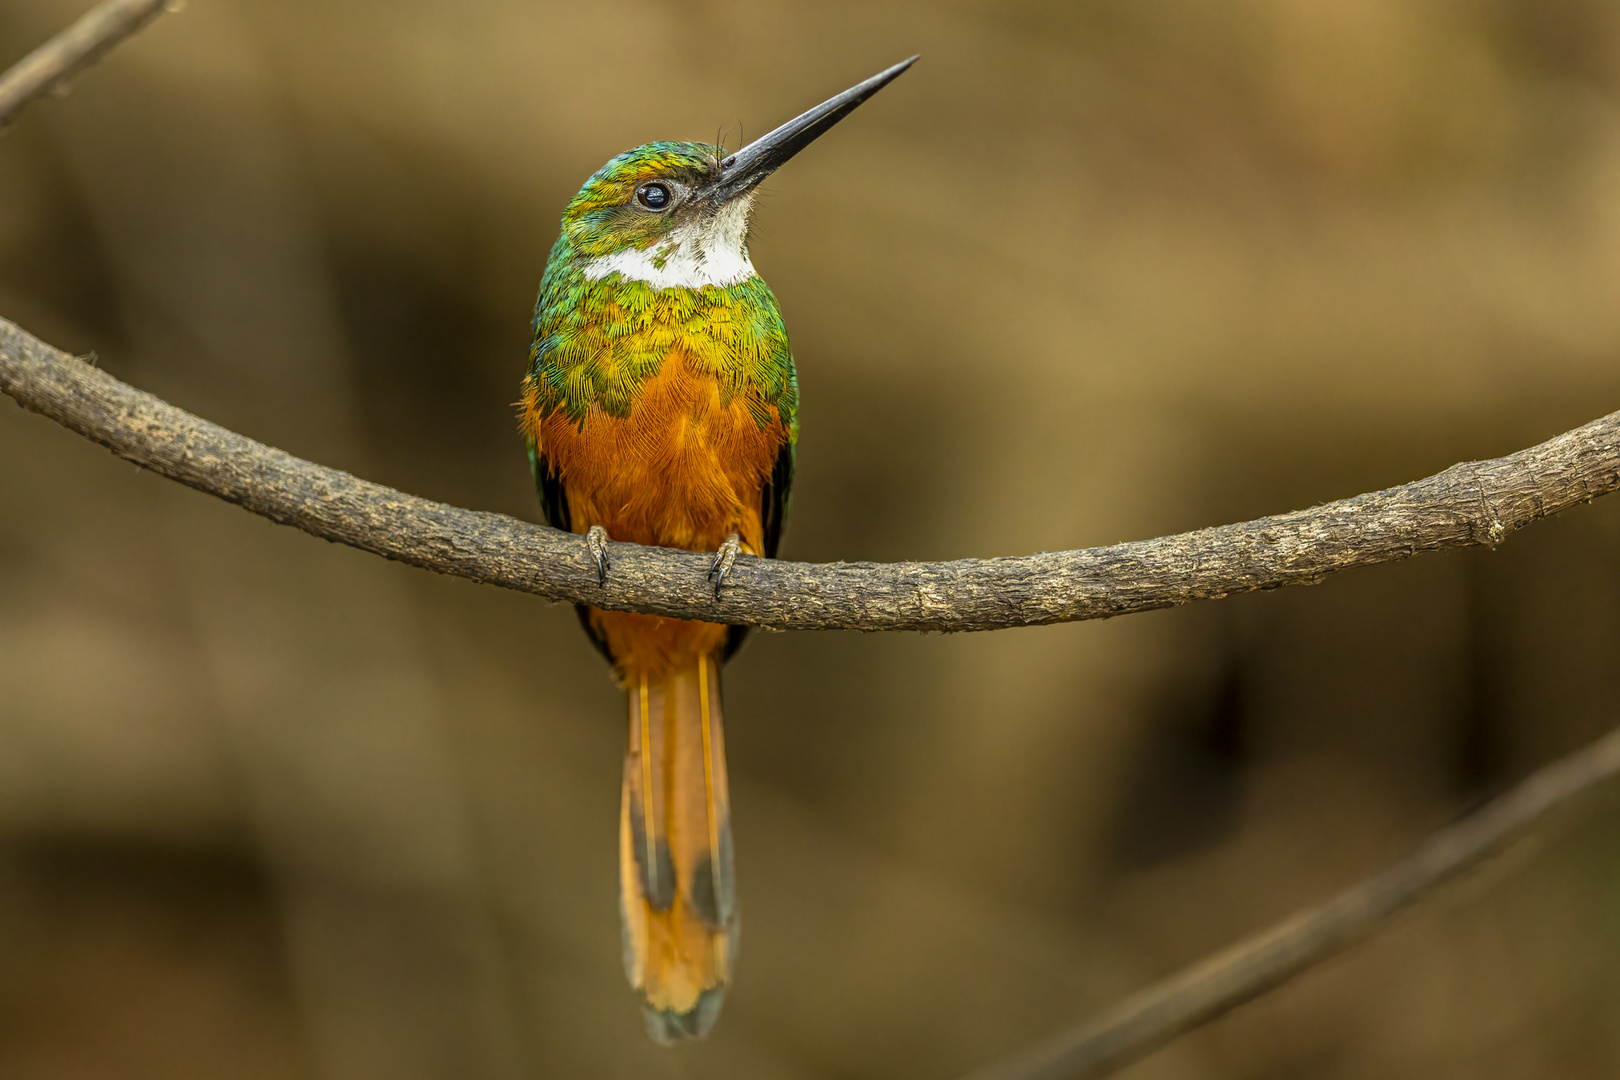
723 561
596 541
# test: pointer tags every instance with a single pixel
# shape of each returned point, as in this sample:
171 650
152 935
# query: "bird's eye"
653 196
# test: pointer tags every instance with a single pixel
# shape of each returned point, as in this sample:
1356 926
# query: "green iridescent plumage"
597 341
660 408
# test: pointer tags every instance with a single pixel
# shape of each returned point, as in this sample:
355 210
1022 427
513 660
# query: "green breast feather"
600 341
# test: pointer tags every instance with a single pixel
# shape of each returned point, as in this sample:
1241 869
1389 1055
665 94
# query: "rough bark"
1473 503
1468 504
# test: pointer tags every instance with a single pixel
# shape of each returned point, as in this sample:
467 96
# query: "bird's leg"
596 540
723 560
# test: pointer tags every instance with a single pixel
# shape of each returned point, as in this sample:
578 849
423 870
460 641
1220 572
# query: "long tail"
677 892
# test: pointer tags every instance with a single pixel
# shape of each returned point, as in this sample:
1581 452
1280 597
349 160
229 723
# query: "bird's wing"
548 482
773 500
773 508
554 504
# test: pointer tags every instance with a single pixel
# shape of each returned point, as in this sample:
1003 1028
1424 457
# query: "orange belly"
685 469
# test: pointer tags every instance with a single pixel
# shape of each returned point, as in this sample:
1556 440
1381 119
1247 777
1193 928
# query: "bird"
660 407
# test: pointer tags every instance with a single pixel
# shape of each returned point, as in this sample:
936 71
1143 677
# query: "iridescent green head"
677 214
659 214
641 196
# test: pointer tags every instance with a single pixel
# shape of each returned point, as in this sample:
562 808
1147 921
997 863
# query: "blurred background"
272 808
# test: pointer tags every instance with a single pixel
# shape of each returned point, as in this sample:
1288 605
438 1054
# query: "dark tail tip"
668 1028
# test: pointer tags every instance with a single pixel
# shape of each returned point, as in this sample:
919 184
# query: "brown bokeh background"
271 808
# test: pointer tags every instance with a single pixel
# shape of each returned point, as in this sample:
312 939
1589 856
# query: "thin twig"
1243 972
1468 504
74 49
1471 503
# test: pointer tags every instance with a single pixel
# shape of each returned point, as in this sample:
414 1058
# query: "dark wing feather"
553 500
773 501
554 504
773 508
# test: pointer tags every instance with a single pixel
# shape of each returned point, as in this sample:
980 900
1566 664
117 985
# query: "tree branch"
74 49
1468 504
1472 503
1221 983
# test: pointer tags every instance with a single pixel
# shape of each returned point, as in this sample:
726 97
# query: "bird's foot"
723 561
596 541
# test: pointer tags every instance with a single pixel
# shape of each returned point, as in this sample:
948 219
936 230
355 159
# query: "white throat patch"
713 252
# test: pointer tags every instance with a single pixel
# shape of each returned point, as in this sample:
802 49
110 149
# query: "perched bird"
660 407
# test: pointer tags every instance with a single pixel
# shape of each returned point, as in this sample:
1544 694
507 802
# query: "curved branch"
80 45
1221 983
1472 503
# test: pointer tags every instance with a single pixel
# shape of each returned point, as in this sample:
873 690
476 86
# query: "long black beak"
754 162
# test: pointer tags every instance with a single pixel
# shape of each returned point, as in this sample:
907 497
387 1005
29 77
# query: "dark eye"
653 196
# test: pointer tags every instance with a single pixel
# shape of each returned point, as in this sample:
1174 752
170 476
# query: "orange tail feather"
677 892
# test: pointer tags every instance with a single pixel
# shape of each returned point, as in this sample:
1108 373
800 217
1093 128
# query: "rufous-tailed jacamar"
660 407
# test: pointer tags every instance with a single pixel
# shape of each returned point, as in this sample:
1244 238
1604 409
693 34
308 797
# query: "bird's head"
677 214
